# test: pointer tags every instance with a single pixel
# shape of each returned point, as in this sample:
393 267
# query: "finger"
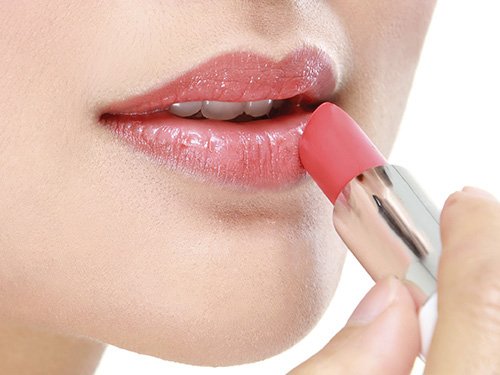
467 335
381 337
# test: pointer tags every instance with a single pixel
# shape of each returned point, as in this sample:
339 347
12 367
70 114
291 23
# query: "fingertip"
399 333
384 341
376 301
395 331
393 338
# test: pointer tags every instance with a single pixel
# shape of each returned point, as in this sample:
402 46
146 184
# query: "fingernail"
378 299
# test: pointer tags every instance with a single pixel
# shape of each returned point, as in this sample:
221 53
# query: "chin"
243 282
247 309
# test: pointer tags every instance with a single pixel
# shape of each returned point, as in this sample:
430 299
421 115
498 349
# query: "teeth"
221 110
259 108
185 109
217 110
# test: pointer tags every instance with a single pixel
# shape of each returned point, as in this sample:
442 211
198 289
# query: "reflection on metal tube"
390 226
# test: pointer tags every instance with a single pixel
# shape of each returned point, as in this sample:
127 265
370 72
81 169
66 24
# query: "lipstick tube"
384 211
380 212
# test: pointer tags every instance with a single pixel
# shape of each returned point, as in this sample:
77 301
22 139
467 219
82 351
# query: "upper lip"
241 77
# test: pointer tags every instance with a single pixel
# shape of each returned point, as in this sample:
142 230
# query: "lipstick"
380 211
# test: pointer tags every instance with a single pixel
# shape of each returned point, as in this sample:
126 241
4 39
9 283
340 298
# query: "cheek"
385 41
386 36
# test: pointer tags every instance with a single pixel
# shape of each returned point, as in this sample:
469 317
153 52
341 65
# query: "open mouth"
235 111
236 119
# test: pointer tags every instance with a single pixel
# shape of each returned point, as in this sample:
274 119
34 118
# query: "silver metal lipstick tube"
385 219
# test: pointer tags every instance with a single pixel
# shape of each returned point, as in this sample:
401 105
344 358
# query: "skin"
99 243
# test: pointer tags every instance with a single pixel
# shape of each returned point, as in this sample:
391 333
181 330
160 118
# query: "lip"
261 153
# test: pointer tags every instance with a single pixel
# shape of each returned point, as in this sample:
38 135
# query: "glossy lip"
259 154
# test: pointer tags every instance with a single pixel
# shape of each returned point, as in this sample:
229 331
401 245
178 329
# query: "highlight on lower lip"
240 154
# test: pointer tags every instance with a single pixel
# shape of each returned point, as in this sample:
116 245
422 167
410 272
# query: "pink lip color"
333 139
262 153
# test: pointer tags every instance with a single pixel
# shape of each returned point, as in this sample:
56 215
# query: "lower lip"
259 154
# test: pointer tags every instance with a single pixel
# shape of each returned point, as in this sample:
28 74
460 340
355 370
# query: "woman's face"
98 238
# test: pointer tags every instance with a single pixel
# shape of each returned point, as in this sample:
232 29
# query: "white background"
449 138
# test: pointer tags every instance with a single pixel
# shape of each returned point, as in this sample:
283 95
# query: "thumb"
381 336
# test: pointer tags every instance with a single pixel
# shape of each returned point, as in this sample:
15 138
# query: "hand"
382 335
